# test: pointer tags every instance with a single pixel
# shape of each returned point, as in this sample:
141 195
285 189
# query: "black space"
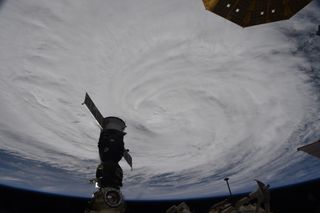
296 198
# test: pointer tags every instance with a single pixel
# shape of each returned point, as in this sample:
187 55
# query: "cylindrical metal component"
114 123
227 180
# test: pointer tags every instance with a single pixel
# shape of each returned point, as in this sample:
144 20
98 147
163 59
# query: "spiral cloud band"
202 98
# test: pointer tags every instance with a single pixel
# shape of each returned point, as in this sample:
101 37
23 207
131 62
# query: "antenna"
227 181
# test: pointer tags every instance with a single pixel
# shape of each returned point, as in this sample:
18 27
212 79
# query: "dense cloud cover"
203 98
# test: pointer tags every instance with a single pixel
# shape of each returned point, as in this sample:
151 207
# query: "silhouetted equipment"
246 204
248 13
318 33
93 109
109 174
112 197
106 200
312 149
127 157
111 145
181 208
227 180
262 195
114 123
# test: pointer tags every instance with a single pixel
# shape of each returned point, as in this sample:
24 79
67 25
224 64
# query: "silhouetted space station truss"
253 12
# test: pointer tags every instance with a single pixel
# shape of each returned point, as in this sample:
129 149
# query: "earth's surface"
203 98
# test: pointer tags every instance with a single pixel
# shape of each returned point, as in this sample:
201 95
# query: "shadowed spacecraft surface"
254 12
312 149
109 174
202 99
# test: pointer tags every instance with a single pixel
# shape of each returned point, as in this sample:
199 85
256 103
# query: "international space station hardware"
227 181
312 149
253 12
109 174
93 109
181 208
257 201
109 199
108 123
106 200
318 32
262 204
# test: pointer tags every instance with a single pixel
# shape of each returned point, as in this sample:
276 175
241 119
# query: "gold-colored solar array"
252 12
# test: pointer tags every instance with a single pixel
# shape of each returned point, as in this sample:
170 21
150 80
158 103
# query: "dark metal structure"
312 149
253 12
93 109
109 174
227 181
108 123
